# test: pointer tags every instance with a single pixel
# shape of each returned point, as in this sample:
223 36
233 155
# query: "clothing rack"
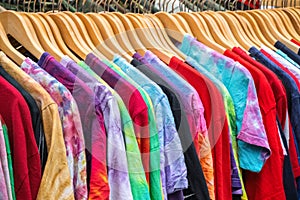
142 6
150 100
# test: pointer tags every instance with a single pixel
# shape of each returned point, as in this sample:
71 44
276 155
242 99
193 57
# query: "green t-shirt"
135 167
9 160
155 179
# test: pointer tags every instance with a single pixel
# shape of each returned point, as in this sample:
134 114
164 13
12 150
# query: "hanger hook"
173 6
130 5
150 6
28 7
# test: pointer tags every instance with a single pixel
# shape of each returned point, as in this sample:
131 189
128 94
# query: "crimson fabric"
25 154
134 102
257 185
295 42
219 136
282 67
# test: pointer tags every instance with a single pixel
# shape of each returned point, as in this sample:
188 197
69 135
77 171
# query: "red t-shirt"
282 67
258 185
217 126
281 104
25 154
295 42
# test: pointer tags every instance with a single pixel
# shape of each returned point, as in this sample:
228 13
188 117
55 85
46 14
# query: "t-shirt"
56 178
138 181
257 184
35 117
155 179
291 89
275 61
218 132
138 111
71 125
285 56
294 56
134 102
5 186
9 159
253 147
26 159
295 42
92 124
238 188
197 186
173 109
194 110
118 177
281 106
286 64
172 166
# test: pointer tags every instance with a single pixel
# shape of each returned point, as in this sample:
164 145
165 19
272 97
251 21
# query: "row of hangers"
78 34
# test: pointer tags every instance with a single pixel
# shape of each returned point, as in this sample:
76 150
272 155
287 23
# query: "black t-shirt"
197 188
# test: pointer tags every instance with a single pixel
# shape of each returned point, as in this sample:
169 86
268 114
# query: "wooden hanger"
174 30
130 31
43 36
287 22
150 32
119 32
223 27
58 38
182 23
203 25
148 25
95 35
238 31
14 25
241 40
80 28
199 33
47 28
145 38
293 17
215 31
108 35
266 39
161 30
8 49
72 25
69 37
277 21
270 29
247 28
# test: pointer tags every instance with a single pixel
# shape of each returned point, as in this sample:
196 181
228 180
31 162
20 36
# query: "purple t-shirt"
92 120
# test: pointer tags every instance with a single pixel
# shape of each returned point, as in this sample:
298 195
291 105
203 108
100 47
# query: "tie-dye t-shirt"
118 177
92 124
172 166
155 185
253 147
138 182
71 124
194 110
